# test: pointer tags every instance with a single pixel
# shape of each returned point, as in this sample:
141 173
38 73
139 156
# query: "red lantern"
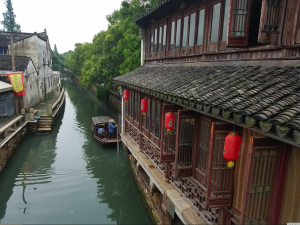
232 148
169 121
126 95
144 106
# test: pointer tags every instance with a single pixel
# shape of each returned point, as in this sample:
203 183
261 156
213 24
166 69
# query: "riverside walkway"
10 125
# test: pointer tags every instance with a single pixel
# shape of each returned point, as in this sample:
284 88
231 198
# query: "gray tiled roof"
264 97
20 61
5 37
152 10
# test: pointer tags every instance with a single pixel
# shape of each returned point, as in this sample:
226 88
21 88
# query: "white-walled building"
33 56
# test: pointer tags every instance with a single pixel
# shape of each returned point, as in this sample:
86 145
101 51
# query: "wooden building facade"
219 66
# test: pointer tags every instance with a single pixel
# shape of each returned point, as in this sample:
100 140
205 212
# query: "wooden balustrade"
115 96
53 107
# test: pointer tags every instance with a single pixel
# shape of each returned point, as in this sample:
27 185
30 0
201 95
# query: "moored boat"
100 127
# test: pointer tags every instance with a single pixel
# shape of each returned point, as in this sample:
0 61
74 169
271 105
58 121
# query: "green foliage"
58 60
9 22
112 52
103 93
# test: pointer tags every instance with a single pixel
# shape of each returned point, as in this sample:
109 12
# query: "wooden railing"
58 85
53 107
11 126
115 96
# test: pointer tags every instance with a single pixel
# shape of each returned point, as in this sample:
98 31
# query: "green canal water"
67 177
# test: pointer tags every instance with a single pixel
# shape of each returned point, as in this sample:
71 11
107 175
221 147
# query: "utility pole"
12 53
14 69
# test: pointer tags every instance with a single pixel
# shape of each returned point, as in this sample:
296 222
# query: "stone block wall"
8 149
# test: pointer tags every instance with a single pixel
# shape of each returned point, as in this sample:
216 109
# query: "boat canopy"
101 119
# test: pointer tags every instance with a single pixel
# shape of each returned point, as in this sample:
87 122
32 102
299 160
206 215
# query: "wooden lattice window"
239 21
271 22
131 104
185 136
265 171
219 176
202 149
272 18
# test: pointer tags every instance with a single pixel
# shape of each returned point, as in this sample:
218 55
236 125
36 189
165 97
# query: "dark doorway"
254 22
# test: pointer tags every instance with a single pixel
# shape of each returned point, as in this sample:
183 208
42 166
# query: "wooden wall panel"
240 167
290 206
289 22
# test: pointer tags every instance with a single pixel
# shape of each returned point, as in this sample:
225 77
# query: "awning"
5 87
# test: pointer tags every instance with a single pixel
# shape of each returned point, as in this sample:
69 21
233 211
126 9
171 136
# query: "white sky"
67 21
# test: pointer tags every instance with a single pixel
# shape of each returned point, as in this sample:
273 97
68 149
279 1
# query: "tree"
9 22
113 52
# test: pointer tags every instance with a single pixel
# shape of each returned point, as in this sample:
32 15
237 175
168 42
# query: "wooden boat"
102 121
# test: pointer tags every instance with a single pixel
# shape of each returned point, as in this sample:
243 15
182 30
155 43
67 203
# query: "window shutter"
201 155
168 141
185 144
260 182
219 177
271 21
238 23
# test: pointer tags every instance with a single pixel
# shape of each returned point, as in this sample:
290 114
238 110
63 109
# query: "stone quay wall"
9 148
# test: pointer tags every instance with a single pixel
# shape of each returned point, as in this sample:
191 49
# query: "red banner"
16 80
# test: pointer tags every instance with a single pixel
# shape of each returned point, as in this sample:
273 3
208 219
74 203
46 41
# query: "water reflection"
66 176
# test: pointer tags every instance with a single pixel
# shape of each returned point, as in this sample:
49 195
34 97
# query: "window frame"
233 40
188 50
175 52
143 125
214 46
296 34
137 111
152 135
263 144
199 48
162 53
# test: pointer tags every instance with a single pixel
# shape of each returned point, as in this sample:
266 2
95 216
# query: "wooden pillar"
50 109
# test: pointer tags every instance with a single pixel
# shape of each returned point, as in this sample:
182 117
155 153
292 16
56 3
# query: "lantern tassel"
230 164
168 131
125 101
143 113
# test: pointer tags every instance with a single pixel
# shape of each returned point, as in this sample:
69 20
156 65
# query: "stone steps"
44 129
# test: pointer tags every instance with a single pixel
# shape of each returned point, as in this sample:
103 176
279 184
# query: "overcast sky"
67 21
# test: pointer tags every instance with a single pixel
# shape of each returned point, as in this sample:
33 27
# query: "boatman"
111 128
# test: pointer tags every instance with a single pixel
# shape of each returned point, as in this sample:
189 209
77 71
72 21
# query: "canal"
66 176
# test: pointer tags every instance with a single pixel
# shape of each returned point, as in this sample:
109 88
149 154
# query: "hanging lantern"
169 122
232 148
144 106
126 95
